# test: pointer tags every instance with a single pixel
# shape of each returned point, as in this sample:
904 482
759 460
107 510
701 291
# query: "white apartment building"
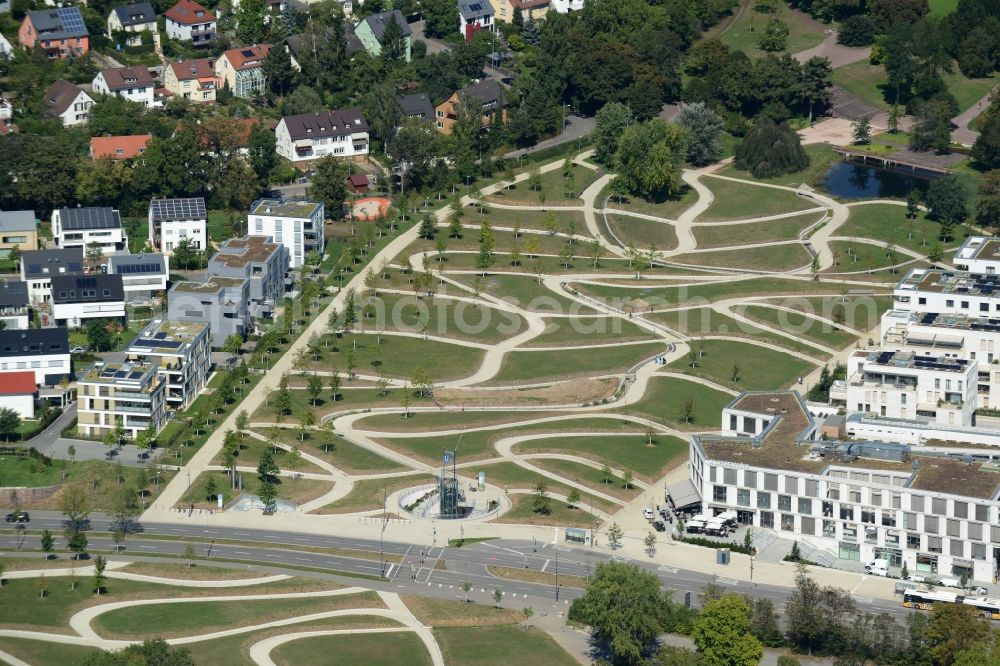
144 276
77 298
954 336
132 394
181 353
309 136
848 500
979 254
79 227
133 83
904 385
173 220
43 350
948 292
298 225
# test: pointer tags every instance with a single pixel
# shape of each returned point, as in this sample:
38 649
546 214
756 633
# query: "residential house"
59 31
14 311
371 32
133 20
19 392
18 229
130 394
567 6
416 105
133 83
487 95
181 352
79 227
68 103
77 298
119 147
258 260
301 44
309 136
855 501
222 303
505 10
473 16
194 80
188 21
45 351
242 69
38 267
173 220
144 275
298 225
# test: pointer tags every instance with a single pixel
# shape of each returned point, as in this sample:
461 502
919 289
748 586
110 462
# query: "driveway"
433 45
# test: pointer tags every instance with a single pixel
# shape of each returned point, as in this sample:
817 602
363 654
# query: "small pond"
850 180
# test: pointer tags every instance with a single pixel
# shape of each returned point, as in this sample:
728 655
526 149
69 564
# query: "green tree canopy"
771 150
650 158
722 633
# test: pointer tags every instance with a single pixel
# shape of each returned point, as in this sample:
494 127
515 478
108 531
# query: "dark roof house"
489 92
340 122
177 210
79 219
60 96
125 78
95 288
43 264
136 13
133 264
58 23
13 294
417 105
34 342
377 23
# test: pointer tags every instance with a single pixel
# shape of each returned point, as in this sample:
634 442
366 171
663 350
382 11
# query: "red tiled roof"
119 78
118 147
186 12
247 56
202 68
21 382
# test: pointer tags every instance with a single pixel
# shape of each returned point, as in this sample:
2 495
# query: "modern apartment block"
38 267
144 276
174 220
79 227
937 513
905 385
42 350
298 225
979 254
261 262
948 292
222 303
133 394
181 353
309 136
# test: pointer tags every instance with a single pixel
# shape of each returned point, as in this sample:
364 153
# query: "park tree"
610 122
986 149
932 130
988 203
650 158
770 150
100 564
441 17
10 423
817 617
947 202
952 629
152 652
329 185
615 535
900 63
722 633
774 37
626 609
48 543
649 542
704 128
413 148
278 68
250 21
268 496
573 498
75 502
861 131
542 503
857 30
267 470
261 151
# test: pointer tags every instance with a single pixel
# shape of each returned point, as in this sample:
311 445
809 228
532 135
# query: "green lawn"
336 450
527 367
251 448
558 190
220 224
669 209
743 34
821 156
724 235
641 233
663 296
45 652
776 258
192 618
859 312
869 82
573 331
396 356
855 257
478 444
942 7
588 476
628 452
528 219
448 318
887 223
527 293
734 201
793 322
759 368
505 242
560 514
664 402
443 420
297 491
367 494
511 476
705 321
396 649
137 229
347 399
500 646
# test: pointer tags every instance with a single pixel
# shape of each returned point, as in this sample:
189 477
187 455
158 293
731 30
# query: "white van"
877 568
949 582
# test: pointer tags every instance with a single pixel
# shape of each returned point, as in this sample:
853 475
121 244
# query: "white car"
77 350
647 514
916 578
949 582
978 591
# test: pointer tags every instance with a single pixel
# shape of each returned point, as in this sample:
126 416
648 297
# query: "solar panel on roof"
247 53
121 374
73 219
178 209
71 19
135 374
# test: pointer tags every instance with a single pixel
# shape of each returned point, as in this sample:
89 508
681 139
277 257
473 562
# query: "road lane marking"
545 565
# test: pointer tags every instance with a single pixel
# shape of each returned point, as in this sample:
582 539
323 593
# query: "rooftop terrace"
214 284
166 336
128 374
238 252
911 361
959 283
284 208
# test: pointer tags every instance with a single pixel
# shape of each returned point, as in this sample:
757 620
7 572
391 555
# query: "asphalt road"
424 569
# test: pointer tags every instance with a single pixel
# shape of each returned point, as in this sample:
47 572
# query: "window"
718 493
805 506
939 507
808 526
876 498
770 481
787 522
913 541
812 488
729 476
979 551
855 495
934 544
975 531
868 516
792 485
850 551
750 479
767 519
743 497
850 532
763 500
953 528
927 563
917 503
931 524
956 548
982 513
784 503
889 518
846 512
961 509
829 529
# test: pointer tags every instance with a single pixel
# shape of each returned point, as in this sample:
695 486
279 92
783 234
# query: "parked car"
916 578
978 591
77 350
647 514
659 526
18 517
950 582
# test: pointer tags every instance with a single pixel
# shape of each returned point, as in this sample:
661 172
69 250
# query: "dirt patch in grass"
571 392
184 572
448 613
531 576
